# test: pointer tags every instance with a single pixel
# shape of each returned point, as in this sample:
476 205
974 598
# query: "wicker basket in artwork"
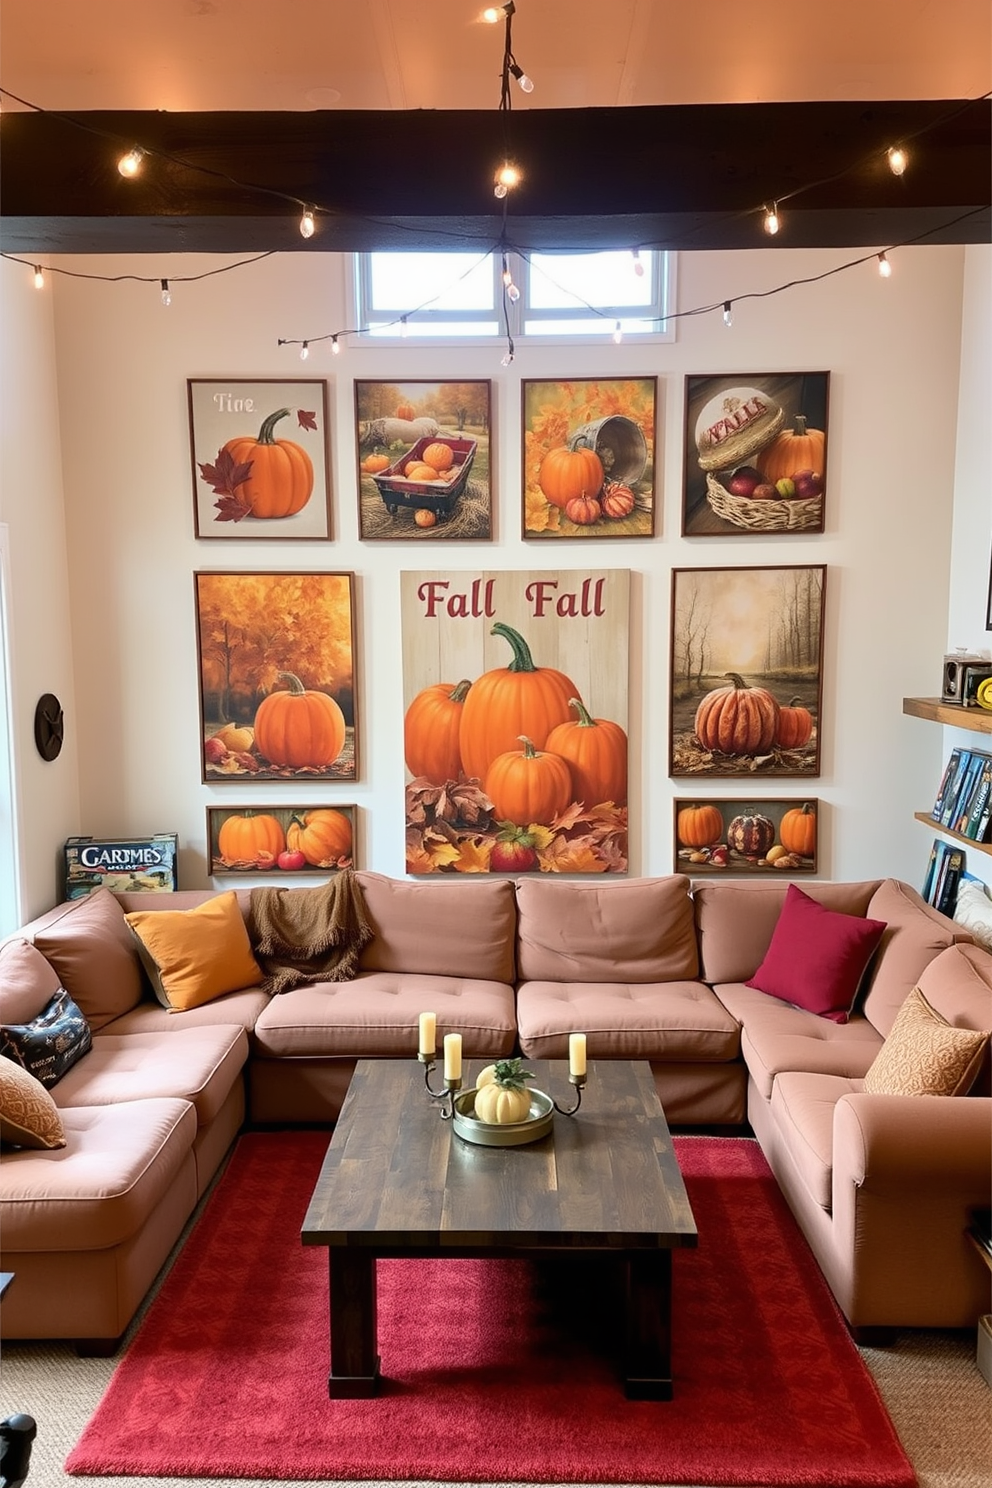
801 514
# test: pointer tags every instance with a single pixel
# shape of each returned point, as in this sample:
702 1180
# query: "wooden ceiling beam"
684 177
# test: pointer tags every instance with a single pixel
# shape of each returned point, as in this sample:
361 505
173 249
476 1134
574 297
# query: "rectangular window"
465 296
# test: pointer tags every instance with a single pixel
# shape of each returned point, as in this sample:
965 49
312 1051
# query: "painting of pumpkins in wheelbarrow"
755 454
424 460
589 457
514 730
260 458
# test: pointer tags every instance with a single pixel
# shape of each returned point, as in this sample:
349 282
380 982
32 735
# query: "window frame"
601 327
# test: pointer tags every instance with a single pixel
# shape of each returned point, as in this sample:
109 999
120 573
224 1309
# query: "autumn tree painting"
424 459
746 679
588 457
277 687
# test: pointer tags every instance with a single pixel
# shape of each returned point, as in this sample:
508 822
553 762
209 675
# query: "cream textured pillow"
925 1055
28 1115
974 911
195 955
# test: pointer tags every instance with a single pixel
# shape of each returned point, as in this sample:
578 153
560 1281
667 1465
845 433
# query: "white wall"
893 351
31 507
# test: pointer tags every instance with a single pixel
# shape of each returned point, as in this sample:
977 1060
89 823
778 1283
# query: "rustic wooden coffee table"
397 1181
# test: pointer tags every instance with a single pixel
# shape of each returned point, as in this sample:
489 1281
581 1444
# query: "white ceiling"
438 54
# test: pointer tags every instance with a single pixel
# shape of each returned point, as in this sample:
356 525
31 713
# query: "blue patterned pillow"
50 1044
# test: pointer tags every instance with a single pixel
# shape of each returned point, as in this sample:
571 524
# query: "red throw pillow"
817 957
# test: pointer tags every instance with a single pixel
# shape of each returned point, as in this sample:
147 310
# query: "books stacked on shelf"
964 797
944 872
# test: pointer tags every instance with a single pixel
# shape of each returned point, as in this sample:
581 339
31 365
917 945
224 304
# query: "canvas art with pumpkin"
515 721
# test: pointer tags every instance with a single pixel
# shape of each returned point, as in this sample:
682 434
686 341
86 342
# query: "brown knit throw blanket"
301 936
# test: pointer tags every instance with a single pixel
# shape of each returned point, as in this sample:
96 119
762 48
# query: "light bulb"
304 351
526 83
307 224
39 277
404 329
771 219
898 160
499 191
508 176
335 346
884 267
512 293
507 276
490 15
638 266
728 314
166 293
130 164
507 358
618 333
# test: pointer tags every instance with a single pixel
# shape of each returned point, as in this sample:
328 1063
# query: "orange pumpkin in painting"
797 830
596 752
699 826
430 732
322 836
527 786
509 701
242 838
280 481
299 729
737 719
566 473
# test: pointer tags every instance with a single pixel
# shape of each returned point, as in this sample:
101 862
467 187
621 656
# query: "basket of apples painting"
759 475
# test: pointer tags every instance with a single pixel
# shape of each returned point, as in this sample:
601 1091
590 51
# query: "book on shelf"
954 789
943 790
969 781
979 812
931 873
947 896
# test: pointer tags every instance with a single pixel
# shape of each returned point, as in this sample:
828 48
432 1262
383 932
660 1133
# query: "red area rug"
497 1371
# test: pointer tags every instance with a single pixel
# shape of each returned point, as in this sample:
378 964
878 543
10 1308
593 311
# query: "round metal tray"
511 1134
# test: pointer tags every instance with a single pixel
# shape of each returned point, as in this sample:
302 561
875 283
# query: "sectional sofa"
705 981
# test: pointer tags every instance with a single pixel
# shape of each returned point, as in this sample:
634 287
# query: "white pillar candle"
576 1053
428 1033
452 1056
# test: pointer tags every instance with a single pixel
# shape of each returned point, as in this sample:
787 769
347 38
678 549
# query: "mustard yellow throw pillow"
195 955
28 1115
925 1055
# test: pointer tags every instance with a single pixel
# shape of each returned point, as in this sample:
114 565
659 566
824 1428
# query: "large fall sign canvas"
515 721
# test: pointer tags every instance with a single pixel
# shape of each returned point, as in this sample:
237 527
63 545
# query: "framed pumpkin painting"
280 839
754 454
424 460
745 835
589 457
260 461
746 671
276 657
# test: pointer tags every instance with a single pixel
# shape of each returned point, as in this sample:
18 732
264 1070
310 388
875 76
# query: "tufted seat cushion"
674 1022
777 1037
803 1107
196 1064
376 1014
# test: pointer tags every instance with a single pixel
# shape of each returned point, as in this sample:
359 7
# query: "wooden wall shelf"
927 819
978 720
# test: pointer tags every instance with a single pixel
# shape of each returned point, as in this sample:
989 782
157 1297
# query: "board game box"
121 864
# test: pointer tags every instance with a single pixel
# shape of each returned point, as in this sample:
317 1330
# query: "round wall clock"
49 726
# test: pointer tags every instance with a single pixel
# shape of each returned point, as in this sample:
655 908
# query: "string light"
728 313
635 254
304 351
404 328
506 178
507 357
490 15
525 83
335 346
772 223
166 292
39 277
512 293
884 267
898 160
307 224
130 164
618 333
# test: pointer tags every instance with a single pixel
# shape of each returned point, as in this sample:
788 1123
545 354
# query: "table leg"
648 1343
354 1359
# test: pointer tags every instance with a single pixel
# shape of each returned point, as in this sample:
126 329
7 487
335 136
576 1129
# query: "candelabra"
452 1085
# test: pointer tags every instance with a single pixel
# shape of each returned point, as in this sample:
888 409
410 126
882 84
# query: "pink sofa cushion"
27 982
735 921
94 957
641 931
915 933
776 1038
669 1022
442 929
816 957
200 1065
803 1106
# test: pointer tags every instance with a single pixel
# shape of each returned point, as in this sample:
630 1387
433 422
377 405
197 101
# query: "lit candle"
428 1033
576 1053
452 1056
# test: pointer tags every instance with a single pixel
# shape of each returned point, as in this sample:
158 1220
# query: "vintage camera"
956 670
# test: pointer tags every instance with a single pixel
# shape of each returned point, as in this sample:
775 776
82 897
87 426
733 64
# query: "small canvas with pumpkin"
745 835
281 839
755 454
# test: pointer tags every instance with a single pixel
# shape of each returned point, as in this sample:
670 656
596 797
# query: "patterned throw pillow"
28 1115
925 1055
51 1043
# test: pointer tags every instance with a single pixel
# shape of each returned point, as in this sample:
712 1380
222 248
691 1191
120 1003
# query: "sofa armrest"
914 1138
